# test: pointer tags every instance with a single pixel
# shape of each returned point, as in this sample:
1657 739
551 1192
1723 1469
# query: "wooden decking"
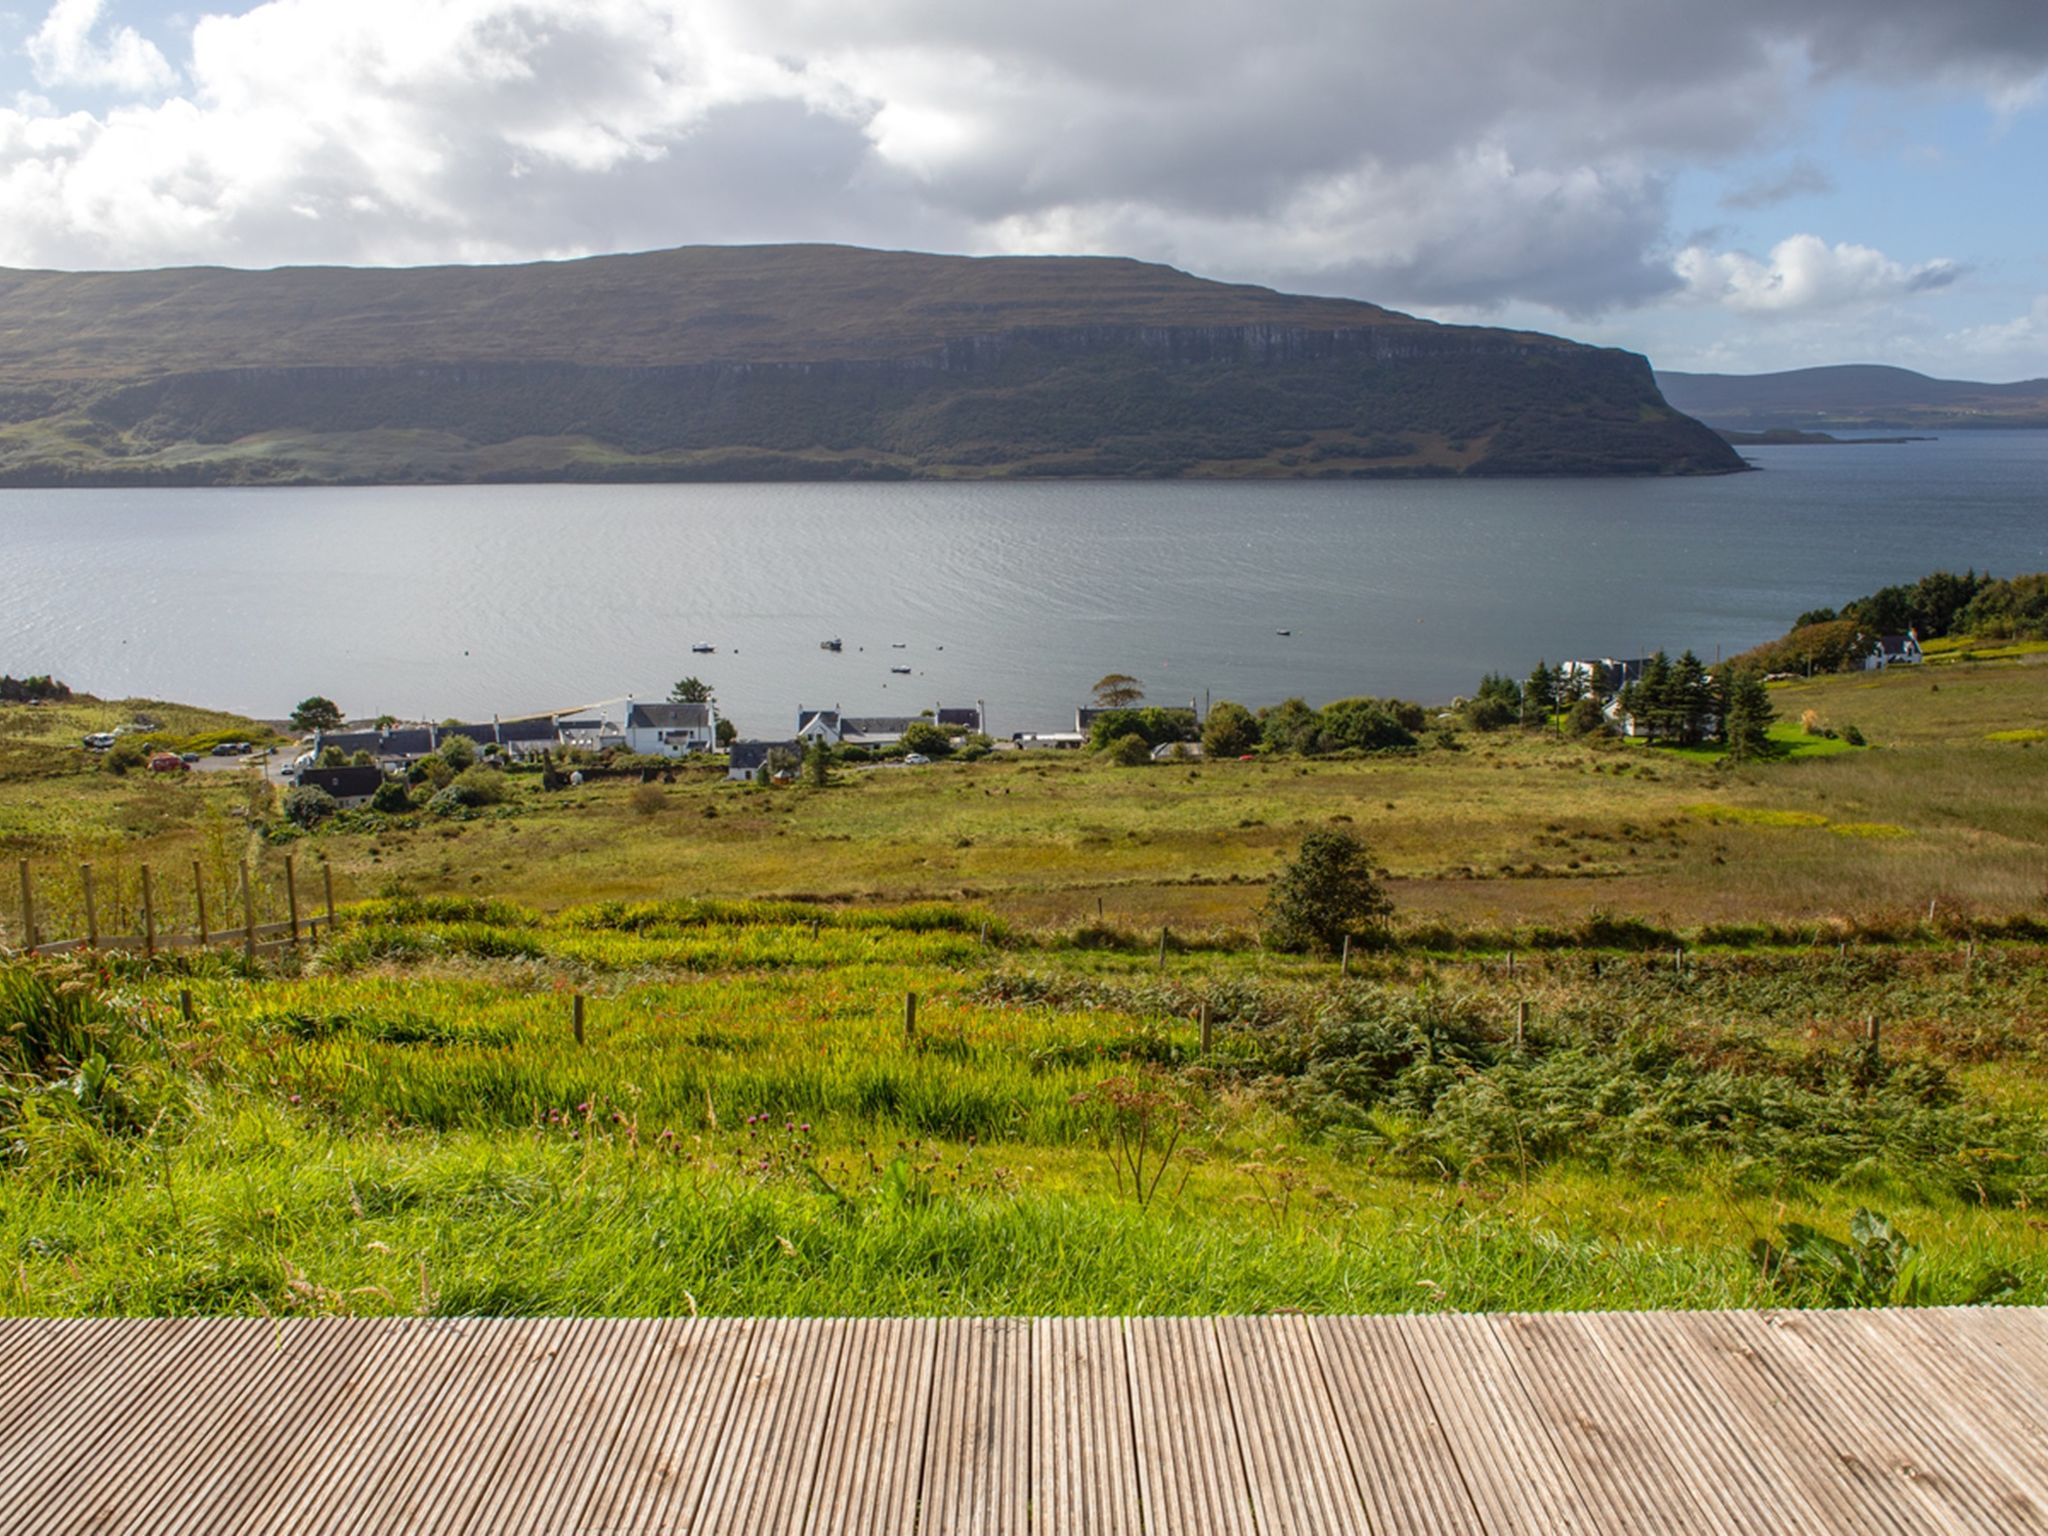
1900 1421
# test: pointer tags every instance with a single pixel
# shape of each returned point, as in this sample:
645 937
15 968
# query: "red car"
167 762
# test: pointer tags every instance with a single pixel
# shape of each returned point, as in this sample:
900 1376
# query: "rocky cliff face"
1102 385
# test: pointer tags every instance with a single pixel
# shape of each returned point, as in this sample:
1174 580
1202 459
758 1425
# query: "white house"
877 733
1895 651
671 730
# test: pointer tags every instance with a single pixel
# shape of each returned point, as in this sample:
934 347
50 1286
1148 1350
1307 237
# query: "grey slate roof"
406 741
669 717
966 718
750 755
536 728
878 725
343 783
350 742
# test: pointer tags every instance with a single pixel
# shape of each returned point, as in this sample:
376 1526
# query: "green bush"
392 798
1131 751
124 756
1230 731
481 786
923 736
307 805
1330 892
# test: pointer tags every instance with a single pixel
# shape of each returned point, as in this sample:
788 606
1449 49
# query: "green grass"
407 1123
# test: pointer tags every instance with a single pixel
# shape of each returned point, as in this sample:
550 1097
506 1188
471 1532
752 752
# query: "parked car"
231 749
99 741
167 762
188 758
915 760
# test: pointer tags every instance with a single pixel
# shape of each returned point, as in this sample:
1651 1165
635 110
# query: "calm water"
435 602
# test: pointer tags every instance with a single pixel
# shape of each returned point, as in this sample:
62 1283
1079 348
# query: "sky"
1741 186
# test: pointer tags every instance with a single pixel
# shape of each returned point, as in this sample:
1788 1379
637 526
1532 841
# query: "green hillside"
786 362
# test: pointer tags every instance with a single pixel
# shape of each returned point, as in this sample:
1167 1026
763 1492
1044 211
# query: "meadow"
1618 1053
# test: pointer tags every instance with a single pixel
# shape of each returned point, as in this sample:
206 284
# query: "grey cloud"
1802 178
1481 154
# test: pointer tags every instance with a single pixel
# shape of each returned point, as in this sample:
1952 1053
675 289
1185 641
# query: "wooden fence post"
1511 962
1207 1037
1344 961
576 1016
910 1015
291 897
199 895
1521 1022
1162 949
185 1004
327 880
1098 909
92 916
1871 1038
28 908
148 913
248 914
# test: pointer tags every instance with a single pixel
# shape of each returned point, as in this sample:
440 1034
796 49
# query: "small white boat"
832 645
905 671
1283 631
703 648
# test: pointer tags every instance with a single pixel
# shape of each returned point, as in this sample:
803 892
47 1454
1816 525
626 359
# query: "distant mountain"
1854 396
786 362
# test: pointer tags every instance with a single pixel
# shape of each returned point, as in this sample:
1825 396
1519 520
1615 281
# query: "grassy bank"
407 1123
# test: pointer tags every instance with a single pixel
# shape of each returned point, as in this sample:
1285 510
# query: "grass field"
1508 832
407 1123
404 1121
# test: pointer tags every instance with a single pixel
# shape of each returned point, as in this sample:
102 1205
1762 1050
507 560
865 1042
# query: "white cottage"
671 730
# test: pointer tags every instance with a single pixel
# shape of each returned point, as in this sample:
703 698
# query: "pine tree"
1649 699
1691 700
1746 715
1539 696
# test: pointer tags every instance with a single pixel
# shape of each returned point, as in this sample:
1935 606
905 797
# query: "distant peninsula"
1853 397
787 363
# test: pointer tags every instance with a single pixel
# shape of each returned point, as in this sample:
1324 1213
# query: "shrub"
481 786
1328 893
307 805
647 799
1366 725
1230 731
1584 718
392 798
923 736
1852 736
1157 726
458 752
123 756
1131 751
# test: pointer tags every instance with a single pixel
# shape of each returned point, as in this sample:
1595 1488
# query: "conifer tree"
1746 715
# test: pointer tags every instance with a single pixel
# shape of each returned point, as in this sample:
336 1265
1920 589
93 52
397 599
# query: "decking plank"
1191 1471
1518 1477
1296 1464
1399 1453
978 1447
1901 1426
1084 1474
1585 1400
1784 1409
874 1452
1894 1421
762 1481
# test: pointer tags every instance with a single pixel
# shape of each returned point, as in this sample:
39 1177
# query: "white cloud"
1492 153
63 51
2018 344
1803 275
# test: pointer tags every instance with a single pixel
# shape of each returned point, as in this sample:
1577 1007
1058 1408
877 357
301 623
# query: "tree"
923 736
1691 700
728 733
1230 731
1328 893
1539 696
1289 726
458 752
691 690
1117 690
391 798
307 805
818 763
1746 715
1496 703
385 722
1363 725
316 714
